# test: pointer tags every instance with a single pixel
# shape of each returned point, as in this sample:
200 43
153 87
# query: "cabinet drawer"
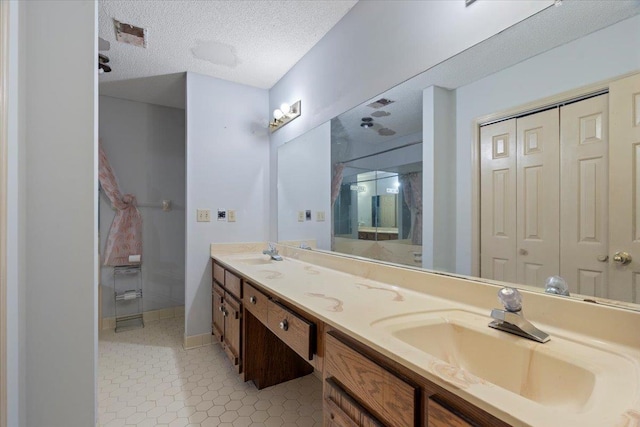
341 410
218 273
256 302
295 331
233 284
440 416
386 395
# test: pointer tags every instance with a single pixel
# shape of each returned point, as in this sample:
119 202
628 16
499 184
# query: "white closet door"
538 197
584 175
498 201
624 187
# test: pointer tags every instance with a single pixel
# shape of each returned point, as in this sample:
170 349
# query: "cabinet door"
217 308
232 328
440 416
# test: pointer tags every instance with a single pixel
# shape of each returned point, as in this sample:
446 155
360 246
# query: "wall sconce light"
283 115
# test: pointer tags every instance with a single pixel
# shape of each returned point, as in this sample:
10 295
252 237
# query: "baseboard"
195 341
148 316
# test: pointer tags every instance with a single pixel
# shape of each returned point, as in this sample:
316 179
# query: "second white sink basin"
560 373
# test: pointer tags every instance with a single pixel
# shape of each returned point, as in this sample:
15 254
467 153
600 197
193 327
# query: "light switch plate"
203 215
231 215
320 216
301 216
222 214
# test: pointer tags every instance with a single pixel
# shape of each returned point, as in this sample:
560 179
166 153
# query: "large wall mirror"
453 123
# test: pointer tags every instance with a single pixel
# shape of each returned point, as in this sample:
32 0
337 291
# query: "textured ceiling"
549 28
249 42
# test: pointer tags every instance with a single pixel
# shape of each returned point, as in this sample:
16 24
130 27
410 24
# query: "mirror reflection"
513 134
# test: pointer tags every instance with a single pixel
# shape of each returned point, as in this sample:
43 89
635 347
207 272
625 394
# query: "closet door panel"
497 201
584 132
538 197
624 188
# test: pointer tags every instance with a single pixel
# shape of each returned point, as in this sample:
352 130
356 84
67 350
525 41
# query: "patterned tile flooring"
146 378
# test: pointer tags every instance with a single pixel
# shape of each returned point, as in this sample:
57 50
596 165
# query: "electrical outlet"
203 215
301 216
222 214
320 216
231 215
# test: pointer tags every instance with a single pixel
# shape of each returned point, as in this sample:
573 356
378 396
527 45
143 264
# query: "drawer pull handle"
252 300
284 325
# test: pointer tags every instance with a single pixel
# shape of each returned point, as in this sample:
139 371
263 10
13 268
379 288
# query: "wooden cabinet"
439 415
226 310
280 344
217 310
364 388
390 399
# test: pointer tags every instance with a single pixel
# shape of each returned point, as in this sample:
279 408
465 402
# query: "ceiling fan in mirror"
103 60
368 123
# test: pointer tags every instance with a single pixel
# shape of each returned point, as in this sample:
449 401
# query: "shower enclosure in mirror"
376 213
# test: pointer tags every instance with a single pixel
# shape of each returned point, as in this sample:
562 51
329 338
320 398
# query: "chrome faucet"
272 252
511 318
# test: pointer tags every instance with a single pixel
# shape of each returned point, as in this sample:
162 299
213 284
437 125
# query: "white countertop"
365 300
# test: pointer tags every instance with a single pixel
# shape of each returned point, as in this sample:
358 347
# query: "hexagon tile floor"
146 378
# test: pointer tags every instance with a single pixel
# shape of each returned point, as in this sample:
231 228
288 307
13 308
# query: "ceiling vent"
130 34
380 103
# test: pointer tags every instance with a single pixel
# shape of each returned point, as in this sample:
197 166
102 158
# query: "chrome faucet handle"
556 285
511 299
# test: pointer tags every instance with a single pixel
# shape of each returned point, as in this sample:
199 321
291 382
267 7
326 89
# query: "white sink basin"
561 373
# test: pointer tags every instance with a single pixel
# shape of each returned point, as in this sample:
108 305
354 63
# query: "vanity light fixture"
283 115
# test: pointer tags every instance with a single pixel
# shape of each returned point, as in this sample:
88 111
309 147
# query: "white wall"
16 313
145 145
304 182
606 53
377 45
438 179
228 168
58 90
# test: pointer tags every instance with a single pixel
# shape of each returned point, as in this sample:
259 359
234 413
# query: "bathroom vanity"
405 347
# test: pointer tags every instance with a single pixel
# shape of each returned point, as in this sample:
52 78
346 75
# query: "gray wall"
53 172
145 145
228 168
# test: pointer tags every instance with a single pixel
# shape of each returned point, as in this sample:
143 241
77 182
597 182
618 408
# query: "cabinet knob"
225 313
252 300
221 308
284 325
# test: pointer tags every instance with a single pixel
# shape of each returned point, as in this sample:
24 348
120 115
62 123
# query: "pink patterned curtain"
125 234
412 192
336 182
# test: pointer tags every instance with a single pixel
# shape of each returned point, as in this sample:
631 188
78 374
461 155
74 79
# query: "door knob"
622 258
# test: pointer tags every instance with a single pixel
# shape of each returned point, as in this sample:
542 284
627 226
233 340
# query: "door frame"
523 109
4 45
